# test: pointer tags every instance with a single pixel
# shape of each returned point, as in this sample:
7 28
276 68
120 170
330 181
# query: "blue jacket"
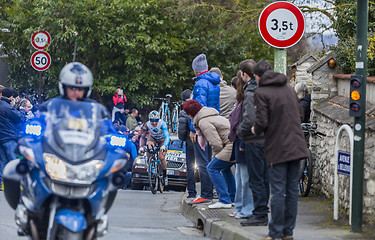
11 121
207 91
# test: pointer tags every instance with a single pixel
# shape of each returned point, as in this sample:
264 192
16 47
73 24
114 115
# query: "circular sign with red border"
40 60
281 24
41 39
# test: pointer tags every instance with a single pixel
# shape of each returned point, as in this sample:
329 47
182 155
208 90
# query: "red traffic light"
355 107
355 83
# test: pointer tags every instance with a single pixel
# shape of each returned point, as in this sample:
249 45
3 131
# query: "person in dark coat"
183 134
278 116
254 149
305 97
10 121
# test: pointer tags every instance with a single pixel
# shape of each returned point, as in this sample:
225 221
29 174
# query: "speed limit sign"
40 60
281 24
40 39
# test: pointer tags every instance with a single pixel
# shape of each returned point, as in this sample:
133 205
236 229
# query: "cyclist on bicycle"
158 135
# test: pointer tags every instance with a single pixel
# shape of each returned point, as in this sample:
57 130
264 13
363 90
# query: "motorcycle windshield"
73 129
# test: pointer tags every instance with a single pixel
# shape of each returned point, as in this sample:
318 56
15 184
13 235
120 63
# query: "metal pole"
359 122
280 60
40 87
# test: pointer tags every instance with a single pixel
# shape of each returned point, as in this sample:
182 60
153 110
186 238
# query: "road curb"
214 222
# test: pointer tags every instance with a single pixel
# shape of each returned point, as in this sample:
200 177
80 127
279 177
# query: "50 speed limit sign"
40 60
281 24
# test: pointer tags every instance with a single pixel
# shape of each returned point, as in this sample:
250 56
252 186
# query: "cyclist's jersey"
157 133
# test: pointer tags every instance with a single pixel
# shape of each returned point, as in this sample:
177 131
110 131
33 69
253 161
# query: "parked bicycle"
306 165
165 112
155 172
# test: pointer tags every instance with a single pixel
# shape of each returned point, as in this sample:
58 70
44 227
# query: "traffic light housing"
356 103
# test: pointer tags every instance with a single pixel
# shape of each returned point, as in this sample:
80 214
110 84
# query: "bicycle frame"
155 175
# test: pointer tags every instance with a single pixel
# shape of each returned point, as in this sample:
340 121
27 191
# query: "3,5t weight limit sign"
40 60
281 24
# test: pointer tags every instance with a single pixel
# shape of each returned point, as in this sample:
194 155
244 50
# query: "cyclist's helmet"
154 115
75 74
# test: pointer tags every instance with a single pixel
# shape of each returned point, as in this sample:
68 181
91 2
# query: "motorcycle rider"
158 135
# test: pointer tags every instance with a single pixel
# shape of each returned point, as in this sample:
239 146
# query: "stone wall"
330 116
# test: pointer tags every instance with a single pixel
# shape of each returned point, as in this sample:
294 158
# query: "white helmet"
75 74
154 115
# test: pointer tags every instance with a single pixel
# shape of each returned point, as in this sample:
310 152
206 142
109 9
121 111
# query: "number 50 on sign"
40 60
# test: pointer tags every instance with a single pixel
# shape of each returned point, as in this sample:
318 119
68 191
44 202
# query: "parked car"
176 167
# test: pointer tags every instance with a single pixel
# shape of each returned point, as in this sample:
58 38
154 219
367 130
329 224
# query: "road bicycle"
155 172
306 165
165 113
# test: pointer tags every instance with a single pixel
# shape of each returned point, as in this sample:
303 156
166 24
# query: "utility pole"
360 121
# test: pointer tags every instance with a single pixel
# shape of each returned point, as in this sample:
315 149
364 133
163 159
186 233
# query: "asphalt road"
134 215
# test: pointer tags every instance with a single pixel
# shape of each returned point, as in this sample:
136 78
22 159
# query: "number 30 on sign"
40 60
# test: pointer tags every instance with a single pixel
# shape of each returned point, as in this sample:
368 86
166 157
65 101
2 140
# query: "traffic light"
356 103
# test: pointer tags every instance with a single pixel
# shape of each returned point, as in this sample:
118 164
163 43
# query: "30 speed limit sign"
40 60
281 24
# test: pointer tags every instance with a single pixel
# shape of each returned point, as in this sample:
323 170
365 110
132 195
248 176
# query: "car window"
176 145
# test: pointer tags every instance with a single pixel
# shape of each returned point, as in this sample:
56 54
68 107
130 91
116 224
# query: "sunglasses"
154 120
76 88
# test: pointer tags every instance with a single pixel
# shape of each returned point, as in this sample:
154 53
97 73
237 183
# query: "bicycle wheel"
160 178
152 176
306 171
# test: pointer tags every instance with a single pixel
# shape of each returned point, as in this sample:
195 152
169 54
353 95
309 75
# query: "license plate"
170 172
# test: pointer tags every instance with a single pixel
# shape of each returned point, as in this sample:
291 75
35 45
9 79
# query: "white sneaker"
220 205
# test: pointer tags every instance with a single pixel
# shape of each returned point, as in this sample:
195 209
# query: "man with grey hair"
227 95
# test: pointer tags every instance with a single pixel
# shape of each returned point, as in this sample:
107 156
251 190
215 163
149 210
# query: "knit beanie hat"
200 64
7 92
185 95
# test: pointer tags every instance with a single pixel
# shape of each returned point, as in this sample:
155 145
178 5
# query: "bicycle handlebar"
311 128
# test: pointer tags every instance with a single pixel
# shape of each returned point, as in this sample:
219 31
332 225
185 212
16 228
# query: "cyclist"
158 135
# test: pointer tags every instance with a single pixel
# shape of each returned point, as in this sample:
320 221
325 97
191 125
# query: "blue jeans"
258 177
223 179
190 168
6 154
244 196
284 202
202 158
128 177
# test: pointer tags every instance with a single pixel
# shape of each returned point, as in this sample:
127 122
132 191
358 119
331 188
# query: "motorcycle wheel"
64 234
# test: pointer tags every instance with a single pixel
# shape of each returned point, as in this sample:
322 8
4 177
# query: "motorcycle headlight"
85 173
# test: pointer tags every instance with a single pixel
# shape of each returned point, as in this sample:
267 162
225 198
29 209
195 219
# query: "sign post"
281 24
40 60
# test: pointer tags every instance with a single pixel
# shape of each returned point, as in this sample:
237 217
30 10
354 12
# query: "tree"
144 46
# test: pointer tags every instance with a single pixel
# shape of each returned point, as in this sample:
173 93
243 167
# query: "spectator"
215 129
254 149
25 104
305 97
183 134
278 109
131 122
227 95
119 100
10 119
207 93
1 90
16 98
243 200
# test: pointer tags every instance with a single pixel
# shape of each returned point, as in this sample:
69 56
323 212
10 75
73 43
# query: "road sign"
41 39
40 60
281 24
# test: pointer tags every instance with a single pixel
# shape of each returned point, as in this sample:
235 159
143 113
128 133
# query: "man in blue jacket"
207 93
10 120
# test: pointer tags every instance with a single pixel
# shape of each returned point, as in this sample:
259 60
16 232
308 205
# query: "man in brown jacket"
278 115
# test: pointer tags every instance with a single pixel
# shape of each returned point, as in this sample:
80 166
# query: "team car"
176 167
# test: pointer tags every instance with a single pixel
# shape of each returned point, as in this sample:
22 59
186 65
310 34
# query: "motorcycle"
67 175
